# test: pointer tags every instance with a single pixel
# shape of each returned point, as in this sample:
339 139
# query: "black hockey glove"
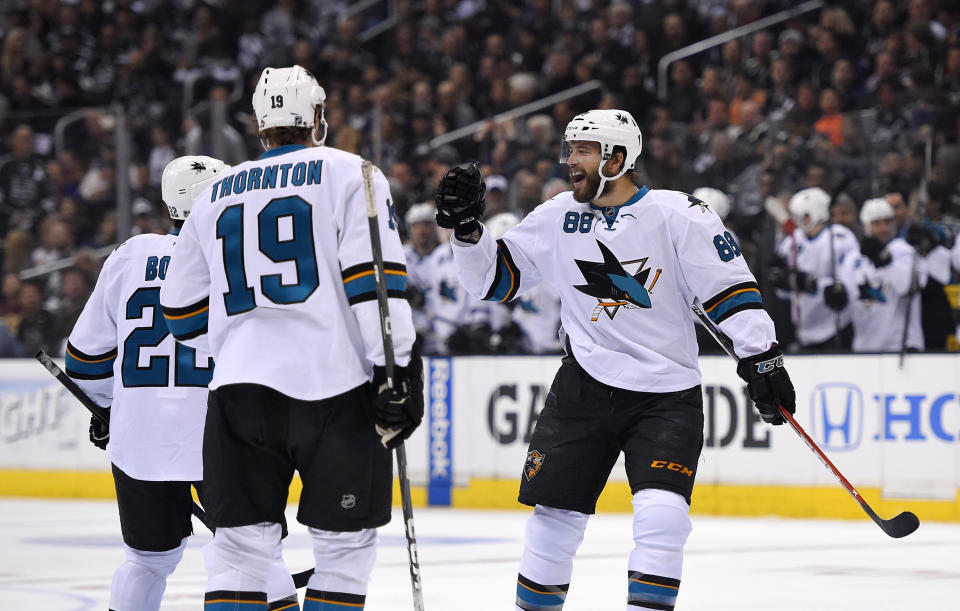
399 410
460 201
835 296
922 238
787 279
99 433
768 384
876 251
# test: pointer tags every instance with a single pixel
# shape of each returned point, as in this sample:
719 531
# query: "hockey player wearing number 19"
275 266
627 263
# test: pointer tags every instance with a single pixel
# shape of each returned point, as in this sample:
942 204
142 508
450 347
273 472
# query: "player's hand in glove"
922 238
99 433
876 251
835 296
460 200
399 410
787 279
768 384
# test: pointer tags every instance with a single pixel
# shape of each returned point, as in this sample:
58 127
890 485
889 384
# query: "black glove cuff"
759 365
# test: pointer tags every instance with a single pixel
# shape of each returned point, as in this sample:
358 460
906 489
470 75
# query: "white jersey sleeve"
188 323
716 275
502 269
92 345
355 252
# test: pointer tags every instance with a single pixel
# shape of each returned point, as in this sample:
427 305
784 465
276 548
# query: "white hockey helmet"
810 207
499 224
420 213
874 210
184 179
609 128
716 199
289 97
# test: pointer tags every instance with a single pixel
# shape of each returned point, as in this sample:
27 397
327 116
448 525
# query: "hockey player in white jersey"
808 275
423 245
628 264
274 266
121 353
881 279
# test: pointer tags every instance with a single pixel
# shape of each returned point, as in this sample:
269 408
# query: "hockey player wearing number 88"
628 263
121 353
275 267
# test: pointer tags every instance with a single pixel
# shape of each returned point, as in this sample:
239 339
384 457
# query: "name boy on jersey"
280 280
881 279
627 263
810 279
122 355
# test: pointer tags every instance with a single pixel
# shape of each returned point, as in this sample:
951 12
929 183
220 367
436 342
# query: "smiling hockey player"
628 263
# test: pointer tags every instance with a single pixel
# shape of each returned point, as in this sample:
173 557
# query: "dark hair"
279 136
623 151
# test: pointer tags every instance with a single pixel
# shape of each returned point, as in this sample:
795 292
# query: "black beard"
592 182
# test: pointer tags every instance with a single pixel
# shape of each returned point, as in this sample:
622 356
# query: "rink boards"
893 432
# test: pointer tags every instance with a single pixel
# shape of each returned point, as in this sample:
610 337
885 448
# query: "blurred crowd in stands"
860 98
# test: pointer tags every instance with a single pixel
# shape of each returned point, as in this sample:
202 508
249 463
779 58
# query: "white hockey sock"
238 564
344 563
139 583
281 591
552 538
660 530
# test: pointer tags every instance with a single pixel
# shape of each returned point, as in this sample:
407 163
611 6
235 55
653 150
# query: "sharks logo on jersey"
613 286
695 201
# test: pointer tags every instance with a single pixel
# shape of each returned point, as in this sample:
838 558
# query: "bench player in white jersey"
628 264
880 280
809 278
274 266
121 353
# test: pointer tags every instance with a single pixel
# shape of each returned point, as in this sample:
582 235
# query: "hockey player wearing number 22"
122 355
628 264
274 266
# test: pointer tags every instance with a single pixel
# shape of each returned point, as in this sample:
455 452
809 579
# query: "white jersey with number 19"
274 264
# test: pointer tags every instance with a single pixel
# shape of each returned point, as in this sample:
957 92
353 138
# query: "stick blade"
901 525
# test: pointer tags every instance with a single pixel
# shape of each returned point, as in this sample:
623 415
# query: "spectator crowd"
859 99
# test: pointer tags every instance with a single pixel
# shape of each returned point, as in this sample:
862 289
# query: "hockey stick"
898 526
299 579
100 413
906 319
387 334
838 341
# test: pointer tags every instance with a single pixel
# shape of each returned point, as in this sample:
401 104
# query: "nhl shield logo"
533 463
348 501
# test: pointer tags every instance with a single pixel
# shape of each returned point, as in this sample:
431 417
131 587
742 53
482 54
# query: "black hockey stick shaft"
906 318
898 526
386 331
101 414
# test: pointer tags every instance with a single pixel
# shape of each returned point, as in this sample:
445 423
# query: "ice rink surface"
60 555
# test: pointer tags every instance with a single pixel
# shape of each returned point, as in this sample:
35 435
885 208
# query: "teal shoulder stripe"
365 284
747 300
187 326
85 370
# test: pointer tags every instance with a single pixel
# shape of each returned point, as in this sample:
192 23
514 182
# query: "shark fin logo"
613 286
198 166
